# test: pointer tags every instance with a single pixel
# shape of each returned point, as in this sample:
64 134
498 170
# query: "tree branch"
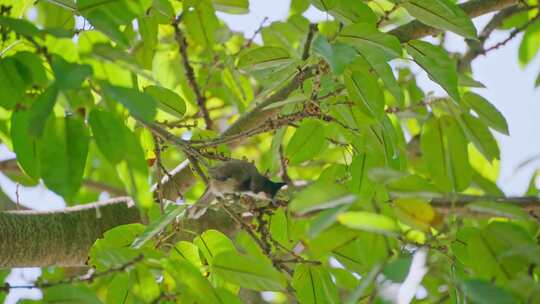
476 46
60 237
474 8
190 74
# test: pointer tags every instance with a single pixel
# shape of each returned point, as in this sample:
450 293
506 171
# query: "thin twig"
17 199
190 74
284 173
476 46
309 39
512 35
87 278
159 176
246 227
257 31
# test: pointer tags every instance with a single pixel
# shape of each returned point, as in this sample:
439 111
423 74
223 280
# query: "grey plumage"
233 176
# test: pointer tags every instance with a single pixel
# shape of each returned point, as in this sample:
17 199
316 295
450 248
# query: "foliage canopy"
106 96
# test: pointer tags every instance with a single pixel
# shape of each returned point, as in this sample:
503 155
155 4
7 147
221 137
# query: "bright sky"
509 87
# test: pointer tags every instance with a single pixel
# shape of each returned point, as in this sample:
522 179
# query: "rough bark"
475 8
60 237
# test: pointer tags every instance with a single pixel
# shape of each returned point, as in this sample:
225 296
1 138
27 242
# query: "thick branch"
473 8
60 237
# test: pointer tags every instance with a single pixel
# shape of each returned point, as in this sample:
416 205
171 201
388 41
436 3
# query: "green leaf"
33 63
24 146
483 248
41 110
484 292
320 195
20 26
201 22
338 55
307 142
352 11
370 278
55 16
148 28
324 5
444 150
364 90
368 221
486 112
325 219
69 75
141 105
121 58
108 16
442 14
299 6
113 249
530 44
359 168
167 100
213 242
398 269
249 272
158 225
63 151
184 250
416 213
118 288
70 294
313 284
13 82
191 283
163 11
375 46
134 171
232 6
436 62
364 252
384 71
344 278
479 134
465 80
145 285
109 133
239 87
263 57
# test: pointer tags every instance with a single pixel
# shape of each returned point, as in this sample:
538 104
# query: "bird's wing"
219 173
201 205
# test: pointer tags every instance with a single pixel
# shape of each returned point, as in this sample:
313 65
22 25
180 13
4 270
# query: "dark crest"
272 188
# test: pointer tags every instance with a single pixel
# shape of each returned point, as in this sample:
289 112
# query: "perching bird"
234 176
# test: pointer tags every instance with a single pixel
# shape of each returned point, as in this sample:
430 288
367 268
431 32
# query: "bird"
234 177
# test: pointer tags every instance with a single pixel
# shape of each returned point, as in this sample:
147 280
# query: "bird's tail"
199 208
